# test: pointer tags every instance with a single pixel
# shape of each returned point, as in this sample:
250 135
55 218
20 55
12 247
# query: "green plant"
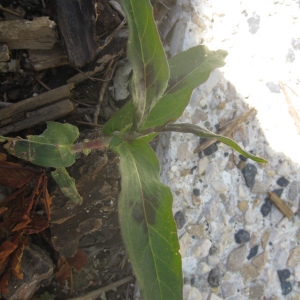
161 90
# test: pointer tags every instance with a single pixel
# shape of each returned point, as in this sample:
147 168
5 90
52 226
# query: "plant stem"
100 143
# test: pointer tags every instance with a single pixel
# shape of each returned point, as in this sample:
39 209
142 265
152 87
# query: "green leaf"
121 121
202 132
53 148
67 184
147 56
188 69
147 224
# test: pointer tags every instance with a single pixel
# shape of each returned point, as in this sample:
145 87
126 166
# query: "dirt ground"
81 249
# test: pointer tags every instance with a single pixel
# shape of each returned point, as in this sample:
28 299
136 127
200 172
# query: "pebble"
253 23
293 191
214 277
257 290
228 289
191 293
202 165
260 260
284 275
249 173
243 206
179 219
253 252
273 87
249 272
197 230
219 186
284 169
214 297
294 257
201 248
286 288
282 181
259 187
242 236
196 192
211 149
266 207
236 258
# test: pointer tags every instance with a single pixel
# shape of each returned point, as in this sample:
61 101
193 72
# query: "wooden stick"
42 115
95 294
32 103
227 129
25 34
107 76
281 205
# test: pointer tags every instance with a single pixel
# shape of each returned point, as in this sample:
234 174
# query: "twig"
227 129
89 124
110 37
42 84
281 205
107 76
95 294
9 11
291 108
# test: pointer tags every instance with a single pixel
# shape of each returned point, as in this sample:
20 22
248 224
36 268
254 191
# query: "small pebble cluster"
235 243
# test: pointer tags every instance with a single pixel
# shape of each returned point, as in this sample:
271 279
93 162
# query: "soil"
83 245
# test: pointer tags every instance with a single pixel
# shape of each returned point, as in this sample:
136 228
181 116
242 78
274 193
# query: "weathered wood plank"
24 34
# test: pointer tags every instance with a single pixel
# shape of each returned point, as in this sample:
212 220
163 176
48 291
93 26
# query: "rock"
242 236
213 260
243 206
250 217
280 258
203 268
202 165
219 186
284 169
186 242
213 250
179 219
236 258
199 115
210 173
228 289
257 290
211 149
191 293
214 277
196 192
183 152
259 187
294 257
260 260
249 173
214 297
37 268
266 207
253 23
242 192
197 230
249 272
253 252
290 57
273 87
284 275
282 181
196 200
286 288
293 191
265 238
201 248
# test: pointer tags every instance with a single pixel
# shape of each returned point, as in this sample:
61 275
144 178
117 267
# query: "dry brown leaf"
79 260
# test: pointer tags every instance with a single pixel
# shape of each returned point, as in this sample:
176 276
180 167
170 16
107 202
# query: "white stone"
219 186
284 169
280 258
191 293
242 192
189 264
211 173
201 248
202 165
203 268
213 260
214 297
186 243
250 216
